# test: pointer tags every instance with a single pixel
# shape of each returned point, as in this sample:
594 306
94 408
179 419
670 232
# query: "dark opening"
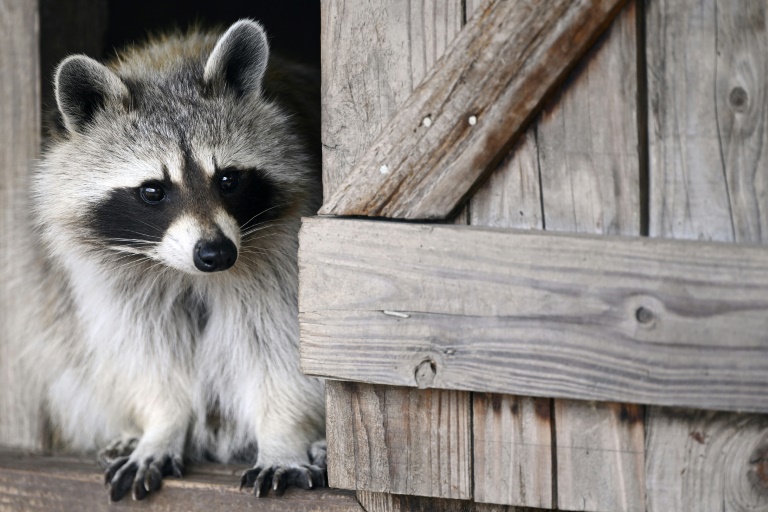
99 27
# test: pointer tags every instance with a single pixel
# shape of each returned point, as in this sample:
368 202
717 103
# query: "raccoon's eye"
152 193
229 181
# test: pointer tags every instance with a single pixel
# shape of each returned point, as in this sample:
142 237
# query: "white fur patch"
176 249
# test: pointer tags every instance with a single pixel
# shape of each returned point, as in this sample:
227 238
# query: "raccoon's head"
173 154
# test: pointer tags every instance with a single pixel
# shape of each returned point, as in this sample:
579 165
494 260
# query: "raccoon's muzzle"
215 255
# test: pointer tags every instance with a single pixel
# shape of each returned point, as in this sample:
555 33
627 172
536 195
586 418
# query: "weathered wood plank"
702 461
708 107
688 196
741 105
513 449
382 502
512 435
588 153
20 423
66 484
399 440
585 317
361 90
474 107
600 456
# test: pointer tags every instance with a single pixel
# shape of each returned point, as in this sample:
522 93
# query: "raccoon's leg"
157 454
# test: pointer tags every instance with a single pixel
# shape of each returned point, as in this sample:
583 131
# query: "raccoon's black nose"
214 255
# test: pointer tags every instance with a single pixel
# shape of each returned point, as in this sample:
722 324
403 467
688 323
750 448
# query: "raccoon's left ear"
239 59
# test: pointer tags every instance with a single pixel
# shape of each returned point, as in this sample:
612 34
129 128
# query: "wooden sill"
71 484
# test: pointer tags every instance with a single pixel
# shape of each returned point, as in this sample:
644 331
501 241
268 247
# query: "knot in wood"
758 471
425 373
738 99
644 315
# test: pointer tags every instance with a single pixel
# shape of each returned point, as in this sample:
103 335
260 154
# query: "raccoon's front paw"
139 476
120 447
279 478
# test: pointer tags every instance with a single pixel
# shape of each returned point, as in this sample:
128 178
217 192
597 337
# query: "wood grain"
513 449
66 484
417 171
20 422
512 435
585 317
689 190
589 165
383 502
707 107
373 55
600 456
399 440
703 461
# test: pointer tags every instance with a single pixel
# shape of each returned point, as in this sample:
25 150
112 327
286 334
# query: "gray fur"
134 342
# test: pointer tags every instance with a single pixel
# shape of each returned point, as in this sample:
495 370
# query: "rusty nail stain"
698 437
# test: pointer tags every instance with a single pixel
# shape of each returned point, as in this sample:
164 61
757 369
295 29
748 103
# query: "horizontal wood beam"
571 316
66 484
469 109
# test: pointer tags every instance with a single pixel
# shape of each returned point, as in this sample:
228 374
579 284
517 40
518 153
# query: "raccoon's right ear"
83 87
239 59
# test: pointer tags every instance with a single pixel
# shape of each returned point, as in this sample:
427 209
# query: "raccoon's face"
188 166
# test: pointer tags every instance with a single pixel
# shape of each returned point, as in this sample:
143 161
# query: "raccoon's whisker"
259 228
261 213
133 240
253 239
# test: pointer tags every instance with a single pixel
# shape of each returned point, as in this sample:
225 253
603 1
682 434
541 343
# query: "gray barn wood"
604 318
589 164
20 422
364 83
708 107
66 484
421 170
399 441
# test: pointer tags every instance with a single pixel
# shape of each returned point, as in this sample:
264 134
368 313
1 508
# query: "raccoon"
167 206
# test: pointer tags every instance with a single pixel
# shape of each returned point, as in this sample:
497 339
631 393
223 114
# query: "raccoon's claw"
279 478
118 448
140 477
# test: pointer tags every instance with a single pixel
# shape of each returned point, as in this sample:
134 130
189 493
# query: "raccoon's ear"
239 59
83 87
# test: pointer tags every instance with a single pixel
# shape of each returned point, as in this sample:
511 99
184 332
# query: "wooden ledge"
71 484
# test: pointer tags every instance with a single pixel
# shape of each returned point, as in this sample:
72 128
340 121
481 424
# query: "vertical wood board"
588 153
373 54
399 440
382 502
361 91
20 422
708 108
